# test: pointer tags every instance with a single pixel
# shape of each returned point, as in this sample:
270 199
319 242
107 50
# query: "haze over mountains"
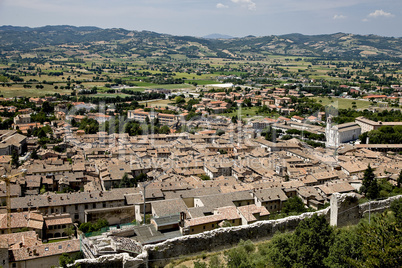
146 43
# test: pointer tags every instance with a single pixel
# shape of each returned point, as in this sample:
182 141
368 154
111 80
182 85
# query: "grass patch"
173 86
204 82
55 240
110 95
341 103
19 91
158 103
244 112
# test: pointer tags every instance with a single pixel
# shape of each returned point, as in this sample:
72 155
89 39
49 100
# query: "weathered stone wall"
345 210
162 253
377 206
123 260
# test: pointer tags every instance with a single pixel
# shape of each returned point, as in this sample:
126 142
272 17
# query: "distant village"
206 171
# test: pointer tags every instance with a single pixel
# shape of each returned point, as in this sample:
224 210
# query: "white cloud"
246 3
380 13
220 5
339 17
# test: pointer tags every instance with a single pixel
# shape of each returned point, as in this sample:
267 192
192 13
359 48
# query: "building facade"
335 135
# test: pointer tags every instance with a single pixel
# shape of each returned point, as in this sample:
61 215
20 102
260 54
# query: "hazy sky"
202 17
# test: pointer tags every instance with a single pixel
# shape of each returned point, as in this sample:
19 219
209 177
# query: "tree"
15 158
205 177
47 108
381 241
220 132
43 189
34 154
215 262
64 260
396 207
345 250
125 181
312 240
370 186
294 204
399 180
164 130
279 251
69 231
179 100
238 257
199 264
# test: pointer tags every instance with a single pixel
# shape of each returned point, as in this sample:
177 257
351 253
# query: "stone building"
341 133
10 140
369 125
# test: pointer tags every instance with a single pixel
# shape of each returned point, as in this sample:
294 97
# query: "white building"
342 133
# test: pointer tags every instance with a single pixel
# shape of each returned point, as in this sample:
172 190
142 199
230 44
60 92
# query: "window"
104 204
213 225
76 207
60 247
64 209
93 205
233 221
192 229
76 216
86 206
14 265
203 227
52 210
50 227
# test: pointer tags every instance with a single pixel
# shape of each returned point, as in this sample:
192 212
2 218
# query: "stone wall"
377 206
344 209
162 253
115 260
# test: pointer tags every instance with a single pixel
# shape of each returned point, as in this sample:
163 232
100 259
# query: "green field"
111 95
157 103
204 82
247 112
19 91
341 103
173 86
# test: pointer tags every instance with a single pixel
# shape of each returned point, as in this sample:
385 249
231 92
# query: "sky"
236 18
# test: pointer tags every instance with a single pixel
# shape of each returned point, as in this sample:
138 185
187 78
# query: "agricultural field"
20 91
157 103
110 95
342 103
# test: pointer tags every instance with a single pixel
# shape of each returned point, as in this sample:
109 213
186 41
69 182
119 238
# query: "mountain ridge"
147 43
